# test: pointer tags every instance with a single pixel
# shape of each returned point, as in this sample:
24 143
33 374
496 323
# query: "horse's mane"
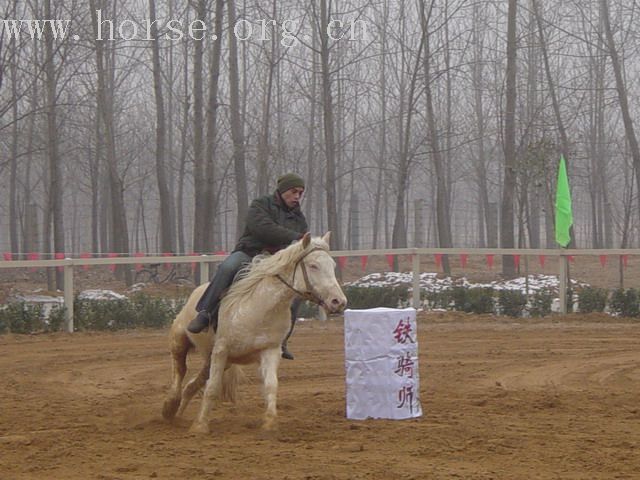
263 266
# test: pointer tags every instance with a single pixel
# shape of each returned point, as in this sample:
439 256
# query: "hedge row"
487 300
138 311
142 310
624 303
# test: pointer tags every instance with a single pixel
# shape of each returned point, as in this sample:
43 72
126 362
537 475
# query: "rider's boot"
200 323
286 354
204 319
205 308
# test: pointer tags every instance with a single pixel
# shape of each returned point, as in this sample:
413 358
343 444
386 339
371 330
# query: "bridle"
310 294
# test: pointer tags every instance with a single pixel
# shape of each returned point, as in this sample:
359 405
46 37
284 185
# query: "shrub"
140 310
149 311
540 303
21 317
625 303
372 297
442 299
512 302
592 299
473 300
308 310
55 321
103 314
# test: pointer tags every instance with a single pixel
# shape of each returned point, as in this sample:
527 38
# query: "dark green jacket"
271 226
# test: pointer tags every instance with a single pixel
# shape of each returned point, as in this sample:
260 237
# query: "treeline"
414 122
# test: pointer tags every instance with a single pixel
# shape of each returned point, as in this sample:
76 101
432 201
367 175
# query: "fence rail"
69 264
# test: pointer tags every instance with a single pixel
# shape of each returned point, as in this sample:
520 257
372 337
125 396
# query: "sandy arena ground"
555 398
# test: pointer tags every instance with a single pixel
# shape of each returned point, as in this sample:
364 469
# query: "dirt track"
501 400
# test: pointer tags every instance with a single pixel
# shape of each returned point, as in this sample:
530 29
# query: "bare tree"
381 157
622 93
507 217
442 195
399 236
271 57
486 231
119 230
201 209
13 185
328 125
56 187
167 212
212 196
237 129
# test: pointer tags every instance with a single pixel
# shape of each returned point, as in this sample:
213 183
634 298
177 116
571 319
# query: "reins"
310 294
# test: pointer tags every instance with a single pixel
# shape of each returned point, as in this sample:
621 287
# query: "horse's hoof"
269 424
201 428
170 408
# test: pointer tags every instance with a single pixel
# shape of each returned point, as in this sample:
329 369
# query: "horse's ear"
327 238
306 240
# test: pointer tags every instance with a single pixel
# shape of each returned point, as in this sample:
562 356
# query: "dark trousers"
222 280
294 316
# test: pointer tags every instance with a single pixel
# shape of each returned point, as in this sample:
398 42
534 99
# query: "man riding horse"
273 222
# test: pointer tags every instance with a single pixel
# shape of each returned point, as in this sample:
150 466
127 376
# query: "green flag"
564 216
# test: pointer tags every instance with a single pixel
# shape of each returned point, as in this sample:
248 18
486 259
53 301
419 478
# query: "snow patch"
100 295
431 283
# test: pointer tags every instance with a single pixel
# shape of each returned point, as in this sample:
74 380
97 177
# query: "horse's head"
315 274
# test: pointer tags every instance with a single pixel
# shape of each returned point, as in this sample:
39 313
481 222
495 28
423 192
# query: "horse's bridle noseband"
311 293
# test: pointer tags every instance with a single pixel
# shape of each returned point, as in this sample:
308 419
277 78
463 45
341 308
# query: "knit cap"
288 181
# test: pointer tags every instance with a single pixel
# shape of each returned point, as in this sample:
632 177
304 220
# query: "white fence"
69 264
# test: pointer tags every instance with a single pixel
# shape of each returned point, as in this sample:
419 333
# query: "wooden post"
562 279
68 298
204 272
416 281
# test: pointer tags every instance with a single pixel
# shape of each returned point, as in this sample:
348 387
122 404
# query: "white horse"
254 319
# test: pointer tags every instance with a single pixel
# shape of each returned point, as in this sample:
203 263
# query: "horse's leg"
269 361
179 349
212 389
194 385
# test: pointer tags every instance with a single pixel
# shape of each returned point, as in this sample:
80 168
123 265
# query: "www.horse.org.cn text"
289 32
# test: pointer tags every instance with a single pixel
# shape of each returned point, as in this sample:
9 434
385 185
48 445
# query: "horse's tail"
232 377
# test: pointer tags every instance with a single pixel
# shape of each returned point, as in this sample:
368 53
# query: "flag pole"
564 222
562 282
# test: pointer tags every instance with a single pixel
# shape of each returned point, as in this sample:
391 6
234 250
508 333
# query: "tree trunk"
237 129
481 168
95 166
13 174
507 217
201 209
55 169
530 218
182 241
381 157
209 220
166 213
311 142
329 134
442 195
31 242
264 143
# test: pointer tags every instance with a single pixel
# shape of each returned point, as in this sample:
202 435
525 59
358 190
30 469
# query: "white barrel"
381 360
